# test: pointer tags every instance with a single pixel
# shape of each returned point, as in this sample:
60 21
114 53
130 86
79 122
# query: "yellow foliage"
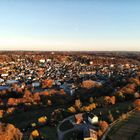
33 124
42 119
89 107
71 109
35 133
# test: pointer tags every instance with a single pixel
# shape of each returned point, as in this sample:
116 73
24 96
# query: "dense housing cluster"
40 89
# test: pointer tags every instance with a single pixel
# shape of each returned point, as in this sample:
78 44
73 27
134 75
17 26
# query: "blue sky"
70 25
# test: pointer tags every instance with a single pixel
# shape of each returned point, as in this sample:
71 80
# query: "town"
69 95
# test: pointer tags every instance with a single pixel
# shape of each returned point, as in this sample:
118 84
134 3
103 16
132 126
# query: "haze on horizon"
87 25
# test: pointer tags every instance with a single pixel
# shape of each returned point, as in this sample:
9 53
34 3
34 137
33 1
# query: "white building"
93 119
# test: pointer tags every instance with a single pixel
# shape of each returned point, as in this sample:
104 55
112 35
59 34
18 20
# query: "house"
93 119
36 84
42 60
68 88
4 74
4 88
1 80
10 82
78 126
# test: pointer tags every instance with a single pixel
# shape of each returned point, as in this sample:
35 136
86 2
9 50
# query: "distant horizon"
72 25
66 51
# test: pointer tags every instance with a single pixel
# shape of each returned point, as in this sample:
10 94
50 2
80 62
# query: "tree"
113 100
78 104
71 109
110 117
34 134
12 101
135 80
36 97
91 99
1 113
9 132
88 84
103 126
49 102
137 104
42 120
107 100
120 96
10 110
27 94
46 93
1 102
47 83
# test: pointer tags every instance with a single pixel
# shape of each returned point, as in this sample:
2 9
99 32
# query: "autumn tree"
113 100
135 80
103 126
36 97
1 113
110 117
10 110
137 104
88 108
88 84
120 96
47 83
11 101
1 102
28 96
49 102
109 100
78 104
34 135
9 132
91 99
71 109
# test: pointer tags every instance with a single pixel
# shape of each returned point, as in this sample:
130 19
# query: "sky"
70 25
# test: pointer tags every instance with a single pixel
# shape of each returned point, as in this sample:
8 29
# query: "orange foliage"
88 84
1 113
89 107
48 83
10 110
109 100
35 133
62 92
1 102
45 93
71 109
78 103
27 94
137 104
9 132
36 97
42 119
11 101
103 126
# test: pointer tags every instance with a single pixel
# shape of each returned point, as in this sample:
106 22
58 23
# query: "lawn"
22 119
